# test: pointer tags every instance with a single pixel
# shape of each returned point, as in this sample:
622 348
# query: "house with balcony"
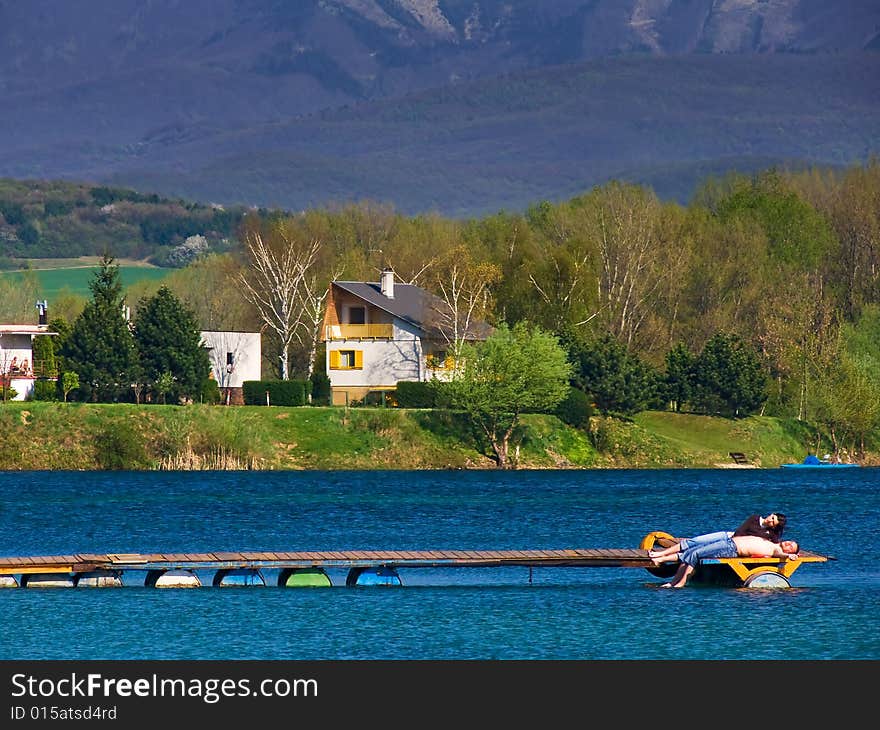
380 333
18 369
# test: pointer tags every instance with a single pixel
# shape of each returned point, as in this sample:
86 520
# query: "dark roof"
410 303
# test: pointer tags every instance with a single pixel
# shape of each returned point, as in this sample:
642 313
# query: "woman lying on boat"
769 528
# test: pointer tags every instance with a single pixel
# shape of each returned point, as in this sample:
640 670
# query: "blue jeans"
724 547
709 537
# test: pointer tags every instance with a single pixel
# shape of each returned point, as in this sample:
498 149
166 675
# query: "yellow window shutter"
359 359
334 359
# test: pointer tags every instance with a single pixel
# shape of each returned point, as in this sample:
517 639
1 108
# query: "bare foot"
665 559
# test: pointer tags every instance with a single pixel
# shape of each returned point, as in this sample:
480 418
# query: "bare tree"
562 269
635 258
276 284
314 295
205 287
464 287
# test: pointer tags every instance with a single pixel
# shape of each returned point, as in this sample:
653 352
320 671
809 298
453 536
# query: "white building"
235 357
17 367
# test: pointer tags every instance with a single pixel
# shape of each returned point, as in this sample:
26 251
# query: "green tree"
100 346
29 234
168 340
847 391
163 385
17 294
62 328
69 383
514 371
728 377
798 235
44 356
618 381
679 377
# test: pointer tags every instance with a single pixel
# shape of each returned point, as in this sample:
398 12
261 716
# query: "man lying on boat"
738 546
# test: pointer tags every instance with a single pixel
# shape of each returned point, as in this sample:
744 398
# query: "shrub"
281 392
210 391
412 394
575 409
602 434
45 390
320 389
119 446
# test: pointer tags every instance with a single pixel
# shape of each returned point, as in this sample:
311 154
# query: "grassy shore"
76 436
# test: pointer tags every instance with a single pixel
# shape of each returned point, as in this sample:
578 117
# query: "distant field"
76 279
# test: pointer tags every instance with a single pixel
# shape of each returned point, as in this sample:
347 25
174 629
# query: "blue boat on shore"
814 462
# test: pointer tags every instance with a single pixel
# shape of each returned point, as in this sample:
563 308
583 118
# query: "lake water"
831 611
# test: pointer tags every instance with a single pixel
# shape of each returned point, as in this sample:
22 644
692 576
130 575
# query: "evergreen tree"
169 341
619 381
100 347
679 376
728 377
63 328
44 356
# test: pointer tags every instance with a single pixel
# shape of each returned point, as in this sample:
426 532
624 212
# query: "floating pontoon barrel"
381 576
8 581
767 579
238 577
304 578
47 580
172 579
99 579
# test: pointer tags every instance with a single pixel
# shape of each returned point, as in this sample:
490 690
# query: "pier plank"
228 557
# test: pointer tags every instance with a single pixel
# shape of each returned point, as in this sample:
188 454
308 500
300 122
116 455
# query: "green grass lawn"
764 441
76 279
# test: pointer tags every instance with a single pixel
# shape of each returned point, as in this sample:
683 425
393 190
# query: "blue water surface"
830 612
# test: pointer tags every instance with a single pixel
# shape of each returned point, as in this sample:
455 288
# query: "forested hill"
461 106
54 219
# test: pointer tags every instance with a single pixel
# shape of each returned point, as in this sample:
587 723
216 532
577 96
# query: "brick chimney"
387 283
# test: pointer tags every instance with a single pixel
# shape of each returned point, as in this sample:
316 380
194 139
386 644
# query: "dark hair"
775 533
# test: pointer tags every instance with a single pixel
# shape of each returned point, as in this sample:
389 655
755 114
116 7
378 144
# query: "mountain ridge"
137 93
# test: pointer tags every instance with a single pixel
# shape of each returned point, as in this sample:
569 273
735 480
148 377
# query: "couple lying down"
757 537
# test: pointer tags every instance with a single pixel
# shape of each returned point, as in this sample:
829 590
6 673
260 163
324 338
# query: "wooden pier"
366 567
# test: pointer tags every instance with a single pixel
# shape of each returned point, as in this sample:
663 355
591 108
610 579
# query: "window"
357 315
346 359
